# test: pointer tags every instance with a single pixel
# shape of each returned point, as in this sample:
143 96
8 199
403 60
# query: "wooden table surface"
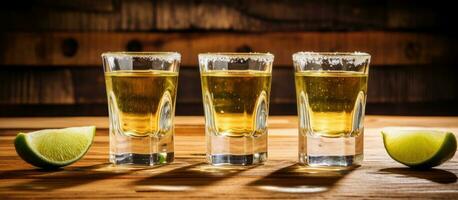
189 176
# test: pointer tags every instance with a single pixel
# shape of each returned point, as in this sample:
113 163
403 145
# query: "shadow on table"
301 179
47 180
187 178
434 175
27 173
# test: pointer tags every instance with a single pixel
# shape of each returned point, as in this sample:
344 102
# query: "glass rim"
313 55
163 55
226 56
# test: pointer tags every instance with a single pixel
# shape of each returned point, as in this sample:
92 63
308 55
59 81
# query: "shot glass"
331 90
235 90
141 90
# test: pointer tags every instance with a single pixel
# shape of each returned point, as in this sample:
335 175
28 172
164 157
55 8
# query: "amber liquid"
142 101
331 103
236 101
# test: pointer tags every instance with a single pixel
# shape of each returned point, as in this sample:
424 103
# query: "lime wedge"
419 148
54 148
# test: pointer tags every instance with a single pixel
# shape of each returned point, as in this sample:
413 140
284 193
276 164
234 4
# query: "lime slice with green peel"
419 148
54 148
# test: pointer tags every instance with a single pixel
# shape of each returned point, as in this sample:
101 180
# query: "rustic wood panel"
438 108
240 15
189 177
395 90
48 86
299 15
50 50
79 15
83 49
410 13
87 85
414 84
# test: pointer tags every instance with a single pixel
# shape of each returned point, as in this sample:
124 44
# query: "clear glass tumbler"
141 90
235 90
331 90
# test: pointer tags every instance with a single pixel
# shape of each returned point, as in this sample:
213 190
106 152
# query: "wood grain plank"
300 15
410 13
78 15
89 85
412 84
48 86
84 49
74 85
189 177
247 15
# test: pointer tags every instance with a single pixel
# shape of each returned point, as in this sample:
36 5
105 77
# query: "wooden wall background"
50 50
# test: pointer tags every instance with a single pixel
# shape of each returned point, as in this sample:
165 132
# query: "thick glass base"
331 161
319 151
252 159
142 159
241 151
143 151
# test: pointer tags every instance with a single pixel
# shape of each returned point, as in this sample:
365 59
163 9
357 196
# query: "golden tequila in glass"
331 93
142 108
236 89
233 104
141 101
